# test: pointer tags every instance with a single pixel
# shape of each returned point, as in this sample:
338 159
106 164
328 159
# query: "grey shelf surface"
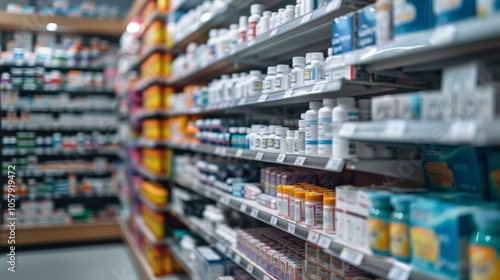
53 152
376 166
52 127
374 264
188 267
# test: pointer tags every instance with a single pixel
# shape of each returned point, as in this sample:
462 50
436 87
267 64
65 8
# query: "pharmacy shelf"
208 237
431 49
154 207
50 67
187 266
55 109
53 152
70 91
148 51
146 232
184 5
141 262
75 232
56 196
144 84
386 167
459 132
146 174
150 18
299 35
58 172
359 257
27 126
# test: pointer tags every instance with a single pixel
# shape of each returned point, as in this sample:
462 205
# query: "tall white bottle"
325 127
282 77
345 111
270 80
308 69
256 11
297 74
312 128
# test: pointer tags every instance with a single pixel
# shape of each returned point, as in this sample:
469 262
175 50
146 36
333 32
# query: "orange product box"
156 222
153 160
151 129
163 5
167 92
155 33
152 66
154 192
166 129
167 64
153 98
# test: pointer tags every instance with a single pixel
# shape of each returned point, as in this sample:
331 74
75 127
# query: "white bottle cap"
274 14
283 68
308 57
233 26
271 70
296 133
281 130
267 13
330 51
243 21
315 105
298 61
364 103
329 102
233 130
225 77
257 9
317 55
223 32
290 133
303 116
302 123
212 33
255 73
290 7
264 130
243 74
346 101
242 130
235 75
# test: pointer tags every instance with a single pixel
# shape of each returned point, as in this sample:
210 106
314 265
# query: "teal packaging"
343 35
440 230
411 16
367 35
446 11
493 174
379 218
455 168
484 246
400 226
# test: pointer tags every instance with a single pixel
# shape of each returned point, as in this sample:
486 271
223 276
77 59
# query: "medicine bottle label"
314 215
268 84
257 143
270 143
277 145
278 83
307 74
256 85
293 78
263 144
329 219
300 211
484 263
378 235
280 206
252 28
400 241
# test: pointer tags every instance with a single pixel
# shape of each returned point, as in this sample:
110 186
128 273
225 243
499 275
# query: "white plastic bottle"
329 72
307 6
298 7
249 139
232 38
301 144
297 74
264 132
290 134
238 89
257 140
256 11
312 128
263 25
317 67
280 140
255 83
345 111
211 44
289 14
270 80
281 15
242 30
272 135
325 127
365 149
308 69
282 78
272 20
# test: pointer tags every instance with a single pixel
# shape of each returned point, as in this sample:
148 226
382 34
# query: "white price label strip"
288 93
250 268
333 6
306 18
351 256
281 158
274 220
313 237
324 242
274 32
318 87
224 200
223 151
217 150
243 207
242 101
259 156
347 129
254 213
239 153
399 273
395 129
462 131
300 161
263 98
221 247
335 164
291 228
237 259
266 277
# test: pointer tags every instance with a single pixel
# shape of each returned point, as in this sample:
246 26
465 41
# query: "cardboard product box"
342 269
367 31
344 34
211 263
411 16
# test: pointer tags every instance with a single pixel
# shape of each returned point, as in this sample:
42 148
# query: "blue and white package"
367 27
446 11
343 35
411 16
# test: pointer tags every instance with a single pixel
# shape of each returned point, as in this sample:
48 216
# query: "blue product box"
446 11
343 34
411 16
367 35
455 168
439 233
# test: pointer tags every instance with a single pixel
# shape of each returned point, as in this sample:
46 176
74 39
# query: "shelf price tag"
217 150
243 207
306 18
221 247
266 277
242 101
291 228
259 156
313 237
399 273
324 242
224 200
237 258
300 161
288 93
443 35
239 153
319 87
462 131
335 164
254 213
333 6
262 98
274 220
250 268
274 32
351 256
281 158
347 129
223 151
395 129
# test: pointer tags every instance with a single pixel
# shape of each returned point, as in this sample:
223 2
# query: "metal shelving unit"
59 172
71 91
146 232
52 152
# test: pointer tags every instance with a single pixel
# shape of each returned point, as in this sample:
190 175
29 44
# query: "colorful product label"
484 263
379 237
400 240
307 74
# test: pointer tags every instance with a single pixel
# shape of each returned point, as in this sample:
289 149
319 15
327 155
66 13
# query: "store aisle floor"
95 262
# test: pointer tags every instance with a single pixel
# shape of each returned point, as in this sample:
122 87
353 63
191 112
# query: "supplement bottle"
307 6
258 139
312 128
399 227
272 135
383 22
281 15
282 77
379 217
345 111
289 14
298 7
249 139
242 131
280 140
296 139
286 201
308 69
317 68
328 72
329 213
255 83
242 30
365 150
325 127
272 21
264 132
256 10
270 80
264 22
291 205
233 131
289 141
302 137
314 210
297 74
279 198
484 246
300 206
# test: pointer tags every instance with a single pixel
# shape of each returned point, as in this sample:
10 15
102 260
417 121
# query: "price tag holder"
335 164
399 273
221 247
274 220
291 228
306 18
281 158
443 35
254 213
347 129
239 153
351 256
319 87
288 93
223 151
266 277
263 97
313 237
224 200
259 156
333 6
395 129
237 259
250 268
324 242
243 207
242 101
300 161
274 32
217 150
463 131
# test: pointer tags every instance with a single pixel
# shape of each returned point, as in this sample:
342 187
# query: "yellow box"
153 98
151 129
